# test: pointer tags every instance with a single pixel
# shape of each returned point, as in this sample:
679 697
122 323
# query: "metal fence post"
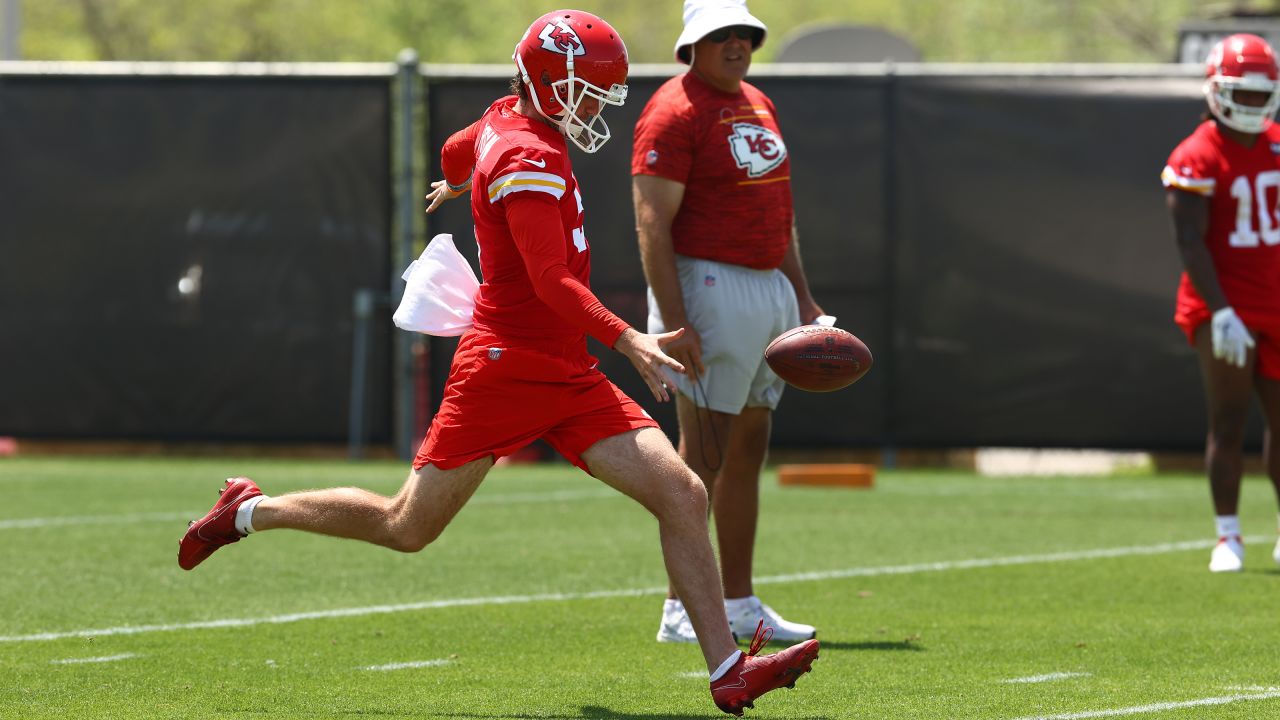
407 204
889 178
362 304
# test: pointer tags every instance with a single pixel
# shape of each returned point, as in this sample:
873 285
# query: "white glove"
1231 339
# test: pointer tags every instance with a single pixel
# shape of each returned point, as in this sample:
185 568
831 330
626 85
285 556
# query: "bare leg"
703 437
407 522
1227 390
642 465
735 503
1269 394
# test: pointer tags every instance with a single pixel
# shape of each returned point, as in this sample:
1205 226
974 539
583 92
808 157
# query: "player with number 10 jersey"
1222 191
1243 236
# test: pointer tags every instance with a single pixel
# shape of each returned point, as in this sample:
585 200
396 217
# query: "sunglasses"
742 32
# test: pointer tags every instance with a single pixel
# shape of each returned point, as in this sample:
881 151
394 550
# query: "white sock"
244 514
726 665
1228 525
737 605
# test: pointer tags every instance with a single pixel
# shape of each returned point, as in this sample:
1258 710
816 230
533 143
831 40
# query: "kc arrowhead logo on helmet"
560 38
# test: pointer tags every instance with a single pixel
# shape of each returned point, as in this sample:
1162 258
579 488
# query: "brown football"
818 358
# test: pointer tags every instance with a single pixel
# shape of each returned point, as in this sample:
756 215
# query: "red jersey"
1243 187
727 150
534 257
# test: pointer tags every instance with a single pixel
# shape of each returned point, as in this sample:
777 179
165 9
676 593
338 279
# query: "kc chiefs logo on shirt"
755 148
558 37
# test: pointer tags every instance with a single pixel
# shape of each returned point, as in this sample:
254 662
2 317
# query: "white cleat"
1275 554
675 627
743 622
1228 555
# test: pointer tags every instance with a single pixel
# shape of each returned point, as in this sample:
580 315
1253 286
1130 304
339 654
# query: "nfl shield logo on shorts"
709 281
495 353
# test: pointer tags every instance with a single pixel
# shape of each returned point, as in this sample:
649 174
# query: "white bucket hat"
705 16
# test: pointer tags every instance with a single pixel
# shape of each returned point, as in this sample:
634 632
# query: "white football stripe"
1047 677
521 181
1157 707
125 519
407 665
604 594
1161 549
103 659
1171 177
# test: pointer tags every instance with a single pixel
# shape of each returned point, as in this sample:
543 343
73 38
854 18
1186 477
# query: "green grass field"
936 595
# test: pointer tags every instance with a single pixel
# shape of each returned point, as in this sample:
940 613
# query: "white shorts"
737 311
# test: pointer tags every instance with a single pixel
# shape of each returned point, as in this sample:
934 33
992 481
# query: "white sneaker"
1275 554
675 625
745 615
1228 555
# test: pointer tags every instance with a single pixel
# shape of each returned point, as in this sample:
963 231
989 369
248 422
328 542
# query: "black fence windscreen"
1001 244
178 255
1036 264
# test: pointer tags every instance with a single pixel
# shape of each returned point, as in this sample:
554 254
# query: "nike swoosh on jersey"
537 163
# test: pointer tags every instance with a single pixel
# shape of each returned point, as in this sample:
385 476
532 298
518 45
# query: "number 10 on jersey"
1268 185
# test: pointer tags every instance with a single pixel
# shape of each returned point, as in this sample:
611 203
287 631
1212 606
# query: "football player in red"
1223 190
522 371
711 183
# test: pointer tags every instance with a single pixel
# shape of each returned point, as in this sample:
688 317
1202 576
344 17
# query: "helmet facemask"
569 93
1220 90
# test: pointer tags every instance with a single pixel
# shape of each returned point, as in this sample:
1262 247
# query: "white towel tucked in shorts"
440 291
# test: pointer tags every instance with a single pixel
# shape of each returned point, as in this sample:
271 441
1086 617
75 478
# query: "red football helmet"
568 56
1242 62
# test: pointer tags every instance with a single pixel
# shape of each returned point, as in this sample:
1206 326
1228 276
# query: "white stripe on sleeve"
1171 178
535 181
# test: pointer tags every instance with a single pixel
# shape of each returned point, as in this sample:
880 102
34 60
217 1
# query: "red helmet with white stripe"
1242 62
566 57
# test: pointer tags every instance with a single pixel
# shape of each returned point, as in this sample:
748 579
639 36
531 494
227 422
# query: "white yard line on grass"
1269 694
408 665
1161 549
126 519
1048 677
1037 488
104 659
132 518
602 594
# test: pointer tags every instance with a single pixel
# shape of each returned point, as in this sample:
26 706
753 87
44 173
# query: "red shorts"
1265 331
503 394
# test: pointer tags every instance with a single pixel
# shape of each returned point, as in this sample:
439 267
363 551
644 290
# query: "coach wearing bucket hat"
712 190
704 18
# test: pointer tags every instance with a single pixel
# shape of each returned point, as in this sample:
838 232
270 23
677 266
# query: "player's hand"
1231 339
687 349
439 193
810 311
646 353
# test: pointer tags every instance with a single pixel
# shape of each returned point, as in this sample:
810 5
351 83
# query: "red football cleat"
218 528
753 676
